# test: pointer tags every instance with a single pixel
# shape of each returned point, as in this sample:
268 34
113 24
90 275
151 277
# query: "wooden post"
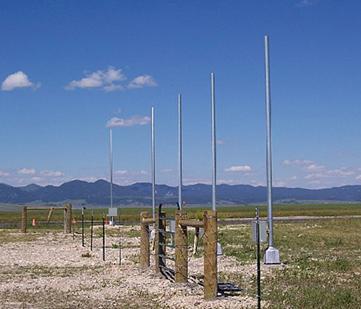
196 240
67 218
181 248
144 240
24 219
210 255
160 242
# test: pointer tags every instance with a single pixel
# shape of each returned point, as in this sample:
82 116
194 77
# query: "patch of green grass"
128 215
323 263
7 236
131 233
45 271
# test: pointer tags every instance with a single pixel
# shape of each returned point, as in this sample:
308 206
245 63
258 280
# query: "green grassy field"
321 259
132 214
322 263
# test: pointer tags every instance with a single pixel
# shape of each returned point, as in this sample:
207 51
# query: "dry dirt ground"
53 270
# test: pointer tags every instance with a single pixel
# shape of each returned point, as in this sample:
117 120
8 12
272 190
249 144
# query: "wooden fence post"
210 255
67 218
24 219
144 241
181 248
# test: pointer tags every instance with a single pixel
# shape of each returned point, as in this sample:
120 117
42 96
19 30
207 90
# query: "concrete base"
272 256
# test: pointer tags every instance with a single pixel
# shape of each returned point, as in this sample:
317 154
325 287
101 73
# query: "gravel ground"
51 271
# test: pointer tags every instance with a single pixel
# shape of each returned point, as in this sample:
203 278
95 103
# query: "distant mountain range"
97 193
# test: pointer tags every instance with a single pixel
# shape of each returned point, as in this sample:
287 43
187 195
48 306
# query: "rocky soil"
53 270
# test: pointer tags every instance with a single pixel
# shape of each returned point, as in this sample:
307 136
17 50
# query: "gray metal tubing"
180 152
153 164
268 141
214 156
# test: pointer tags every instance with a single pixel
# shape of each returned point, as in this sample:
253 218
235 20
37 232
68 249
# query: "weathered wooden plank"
181 248
24 219
144 240
210 255
191 223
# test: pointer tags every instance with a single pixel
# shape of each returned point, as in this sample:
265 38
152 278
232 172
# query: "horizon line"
175 186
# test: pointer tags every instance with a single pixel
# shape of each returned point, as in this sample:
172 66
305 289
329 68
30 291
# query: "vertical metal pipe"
91 232
120 252
268 141
111 167
153 163
258 261
82 227
103 239
214 156
180 151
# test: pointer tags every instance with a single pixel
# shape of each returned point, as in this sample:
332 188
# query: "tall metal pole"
258 261
180 152
111 169
82 227
91 231
153 164
272 254
214 157
103 223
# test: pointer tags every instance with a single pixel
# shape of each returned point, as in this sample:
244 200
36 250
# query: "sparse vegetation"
323 266
131 215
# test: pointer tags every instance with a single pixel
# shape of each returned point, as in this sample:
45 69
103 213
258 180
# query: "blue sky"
68 67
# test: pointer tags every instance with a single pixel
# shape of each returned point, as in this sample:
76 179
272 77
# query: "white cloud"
52 173
36 178
297 162
239 168
126 177
26 171
257 183
315 182
107 79
315 176
113 87
86 178
142 81
279 183
17 80
194 181
4 174
111 79
227 181
315 167
341 172
128 122
307 165
322 175
335 173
